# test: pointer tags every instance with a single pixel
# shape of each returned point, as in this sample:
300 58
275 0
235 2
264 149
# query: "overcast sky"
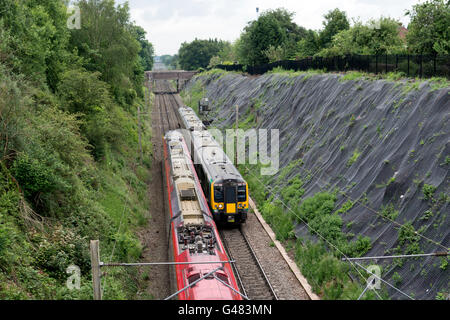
171 22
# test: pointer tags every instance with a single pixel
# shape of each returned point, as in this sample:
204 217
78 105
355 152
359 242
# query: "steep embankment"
364 162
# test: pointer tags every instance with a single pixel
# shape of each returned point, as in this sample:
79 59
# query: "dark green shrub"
33 175
128 247
322 203
293 191
389 212
428 191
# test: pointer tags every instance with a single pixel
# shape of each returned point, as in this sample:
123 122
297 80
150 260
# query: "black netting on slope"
399 133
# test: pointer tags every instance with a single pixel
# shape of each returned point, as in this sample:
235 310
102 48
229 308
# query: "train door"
230 201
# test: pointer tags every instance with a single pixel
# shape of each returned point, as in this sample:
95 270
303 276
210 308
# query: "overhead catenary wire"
437 254
390 285
194 282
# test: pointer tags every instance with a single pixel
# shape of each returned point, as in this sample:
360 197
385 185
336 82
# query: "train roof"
207 151
190 119
217 165
184 181
195 240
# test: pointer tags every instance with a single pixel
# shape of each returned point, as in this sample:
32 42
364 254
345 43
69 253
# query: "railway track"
164 102
250 274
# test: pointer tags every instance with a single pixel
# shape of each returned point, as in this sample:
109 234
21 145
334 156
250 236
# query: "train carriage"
193 235
224 187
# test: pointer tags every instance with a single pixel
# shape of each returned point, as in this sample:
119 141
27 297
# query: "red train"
193 236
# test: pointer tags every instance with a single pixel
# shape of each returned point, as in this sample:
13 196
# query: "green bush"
321 203
128 247
409 239
293 191
33 175
59 250
353 158
329 226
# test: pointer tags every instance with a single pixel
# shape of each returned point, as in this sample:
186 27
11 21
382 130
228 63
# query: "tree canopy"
273 32
198 53
429 29
275 36
376 37
146 53
68 144
335 22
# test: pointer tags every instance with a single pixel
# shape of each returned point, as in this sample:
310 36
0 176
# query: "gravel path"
153 236
284 282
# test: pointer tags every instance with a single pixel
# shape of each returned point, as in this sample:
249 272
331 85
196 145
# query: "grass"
353 75
195 94
292 73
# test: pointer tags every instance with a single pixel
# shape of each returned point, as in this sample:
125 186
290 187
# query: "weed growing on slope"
428 191
408 239
389 212
346 206
353 158
293 191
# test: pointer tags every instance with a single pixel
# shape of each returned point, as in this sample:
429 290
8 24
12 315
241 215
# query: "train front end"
229 200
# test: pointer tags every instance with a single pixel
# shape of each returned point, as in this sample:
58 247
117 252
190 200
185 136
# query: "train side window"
193 277
218 194
242 194
223 277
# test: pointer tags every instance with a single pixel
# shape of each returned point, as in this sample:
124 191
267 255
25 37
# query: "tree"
376 37
275 53
335 22
309 45
146 53
274 28
108 44
198 53
214 61
429 29
34 37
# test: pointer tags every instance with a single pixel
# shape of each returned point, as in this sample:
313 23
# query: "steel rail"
233 266
259 264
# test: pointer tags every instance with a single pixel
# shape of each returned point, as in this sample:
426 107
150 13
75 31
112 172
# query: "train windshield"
242 194
218 194
230 194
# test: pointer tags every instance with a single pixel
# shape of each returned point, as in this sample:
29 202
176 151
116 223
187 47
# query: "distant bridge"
170 75
180 75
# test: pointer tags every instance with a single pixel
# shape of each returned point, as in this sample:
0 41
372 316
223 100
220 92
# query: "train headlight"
241 205
220 206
